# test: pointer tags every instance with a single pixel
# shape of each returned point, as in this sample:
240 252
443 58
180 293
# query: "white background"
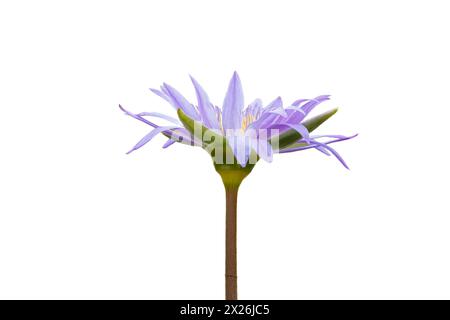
80 219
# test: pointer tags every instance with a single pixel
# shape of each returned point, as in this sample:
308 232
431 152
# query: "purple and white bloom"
236 138
256 130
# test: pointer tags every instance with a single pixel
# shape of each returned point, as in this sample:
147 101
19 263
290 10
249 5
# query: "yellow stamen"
248 119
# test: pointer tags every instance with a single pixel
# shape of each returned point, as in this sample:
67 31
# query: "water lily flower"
237 138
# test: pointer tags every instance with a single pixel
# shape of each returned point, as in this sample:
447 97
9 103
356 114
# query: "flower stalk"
232 176
231 193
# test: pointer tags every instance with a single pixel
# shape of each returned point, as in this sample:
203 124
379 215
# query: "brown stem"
231 193
232 176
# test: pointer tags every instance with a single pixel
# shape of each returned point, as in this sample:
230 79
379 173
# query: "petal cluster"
255 129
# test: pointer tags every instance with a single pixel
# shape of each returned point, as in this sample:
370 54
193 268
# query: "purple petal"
294 149
263 149
276 108
254 108
180 102
296 103
164 90
276 103
316 144
297 117
257 103
323 150
336 136
159 115
240 147
162 95
334 152
137 117
233 104
300 129
185 135
205 107
307 107
270 115
293 109
279 111
168 143
149 137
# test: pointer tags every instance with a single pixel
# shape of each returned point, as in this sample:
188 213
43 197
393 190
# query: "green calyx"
233 174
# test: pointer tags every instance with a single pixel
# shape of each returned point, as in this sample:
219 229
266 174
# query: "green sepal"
199 130
290 137
214 143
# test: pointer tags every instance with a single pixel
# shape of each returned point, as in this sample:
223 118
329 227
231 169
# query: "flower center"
247 120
